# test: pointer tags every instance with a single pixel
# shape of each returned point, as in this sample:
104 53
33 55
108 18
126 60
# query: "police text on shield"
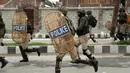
59 32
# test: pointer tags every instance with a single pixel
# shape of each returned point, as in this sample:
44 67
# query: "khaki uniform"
1 39
83 40
61 48
73 54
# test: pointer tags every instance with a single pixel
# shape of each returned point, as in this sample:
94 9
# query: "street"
46 64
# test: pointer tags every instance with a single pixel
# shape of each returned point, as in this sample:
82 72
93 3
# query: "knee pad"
58 59
84 51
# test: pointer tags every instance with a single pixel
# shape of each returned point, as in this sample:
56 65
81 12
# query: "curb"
45 36
96 49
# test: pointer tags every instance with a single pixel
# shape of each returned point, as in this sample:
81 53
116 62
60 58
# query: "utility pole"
114 19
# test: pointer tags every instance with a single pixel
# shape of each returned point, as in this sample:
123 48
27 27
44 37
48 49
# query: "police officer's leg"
3 62
92 38
91 35
84 39
1 42
23 47
77 42
59 58
31 50
24 55
75 58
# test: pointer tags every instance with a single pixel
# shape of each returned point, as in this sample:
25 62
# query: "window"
107 1
82 1
94 1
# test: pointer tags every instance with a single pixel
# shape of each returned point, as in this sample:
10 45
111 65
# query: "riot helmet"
89 12
81 12
63 10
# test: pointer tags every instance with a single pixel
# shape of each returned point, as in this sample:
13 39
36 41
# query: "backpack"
92 21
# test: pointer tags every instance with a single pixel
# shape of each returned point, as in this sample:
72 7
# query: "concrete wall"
106 13
7 15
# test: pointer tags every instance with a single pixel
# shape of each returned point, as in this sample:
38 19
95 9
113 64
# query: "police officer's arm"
82 23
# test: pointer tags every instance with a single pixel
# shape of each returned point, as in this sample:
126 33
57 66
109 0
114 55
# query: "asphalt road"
46 64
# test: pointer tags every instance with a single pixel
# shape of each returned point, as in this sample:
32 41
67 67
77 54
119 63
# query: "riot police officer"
83 31
2 33
73 52
24 46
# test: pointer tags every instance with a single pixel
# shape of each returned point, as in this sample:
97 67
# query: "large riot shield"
59 32
19 27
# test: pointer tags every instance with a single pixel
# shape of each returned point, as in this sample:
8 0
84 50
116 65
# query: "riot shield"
59 32
19 28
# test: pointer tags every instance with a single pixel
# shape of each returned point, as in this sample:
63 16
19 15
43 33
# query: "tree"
114 19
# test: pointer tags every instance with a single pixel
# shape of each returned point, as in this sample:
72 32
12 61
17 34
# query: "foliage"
30 44
123 43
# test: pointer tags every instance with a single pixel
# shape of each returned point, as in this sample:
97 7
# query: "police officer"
24 46
2 33
122 26
73 52
83 31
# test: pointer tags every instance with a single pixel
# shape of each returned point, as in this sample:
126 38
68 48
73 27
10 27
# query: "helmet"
89 12
81 11
63 10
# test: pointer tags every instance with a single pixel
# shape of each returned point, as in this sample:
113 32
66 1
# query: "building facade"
89 3
31 7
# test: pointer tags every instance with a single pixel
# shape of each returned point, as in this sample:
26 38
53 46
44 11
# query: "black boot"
94 63
93 60
24 60
3 62
81 61
25 57
33 50
58 64
2 44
